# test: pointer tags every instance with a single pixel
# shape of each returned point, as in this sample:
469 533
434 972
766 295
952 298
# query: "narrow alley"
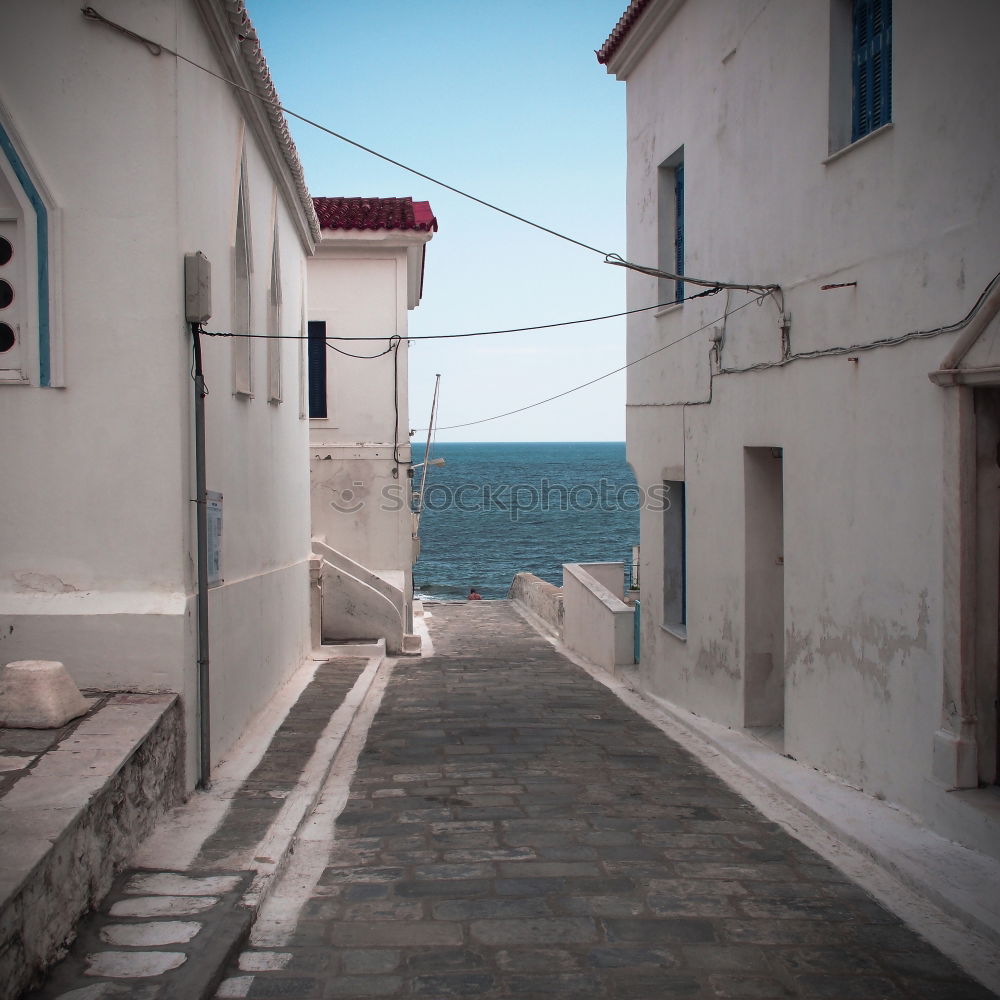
514 830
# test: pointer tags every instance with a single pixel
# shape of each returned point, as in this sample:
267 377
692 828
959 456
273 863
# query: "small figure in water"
474 594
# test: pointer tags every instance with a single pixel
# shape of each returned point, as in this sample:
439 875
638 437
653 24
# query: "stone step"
157 934
78 808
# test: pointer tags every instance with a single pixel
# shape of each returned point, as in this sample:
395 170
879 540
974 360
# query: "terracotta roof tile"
632 14
375 214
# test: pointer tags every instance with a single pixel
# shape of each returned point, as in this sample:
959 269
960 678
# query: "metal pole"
201 506
427 449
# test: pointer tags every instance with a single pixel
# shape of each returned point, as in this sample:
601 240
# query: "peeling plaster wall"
909 215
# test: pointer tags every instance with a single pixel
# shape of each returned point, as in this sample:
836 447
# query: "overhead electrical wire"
823 352
454 336
871 345
157 48
393 342
600 378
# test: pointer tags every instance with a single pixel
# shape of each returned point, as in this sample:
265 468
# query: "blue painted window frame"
42 261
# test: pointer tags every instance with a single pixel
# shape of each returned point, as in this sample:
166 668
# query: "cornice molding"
641 36
235 40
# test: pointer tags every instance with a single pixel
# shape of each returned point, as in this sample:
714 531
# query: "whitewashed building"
826 571
116 159
368 272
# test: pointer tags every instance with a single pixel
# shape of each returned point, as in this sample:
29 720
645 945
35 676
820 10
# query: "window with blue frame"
871 67
675 557
670 225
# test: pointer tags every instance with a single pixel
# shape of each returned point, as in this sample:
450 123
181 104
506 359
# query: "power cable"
653 272
157 48
339 350
872 345
763 365
458 336
600 378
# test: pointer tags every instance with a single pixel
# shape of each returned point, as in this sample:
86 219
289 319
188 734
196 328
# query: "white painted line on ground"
271 854
420 628
973 951
264 961
178 837
234 987
279 913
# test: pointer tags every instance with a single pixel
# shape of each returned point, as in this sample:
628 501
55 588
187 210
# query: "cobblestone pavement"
163 935
515 831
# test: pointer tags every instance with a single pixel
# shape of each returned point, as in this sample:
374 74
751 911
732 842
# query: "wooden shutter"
317 369
872 66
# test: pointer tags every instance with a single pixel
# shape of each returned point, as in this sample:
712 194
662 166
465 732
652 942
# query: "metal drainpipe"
201 506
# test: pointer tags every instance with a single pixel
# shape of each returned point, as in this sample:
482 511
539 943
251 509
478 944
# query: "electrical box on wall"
197 287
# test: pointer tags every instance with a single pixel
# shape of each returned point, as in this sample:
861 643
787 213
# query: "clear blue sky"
504 99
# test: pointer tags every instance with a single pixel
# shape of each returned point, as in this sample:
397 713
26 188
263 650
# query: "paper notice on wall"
213 510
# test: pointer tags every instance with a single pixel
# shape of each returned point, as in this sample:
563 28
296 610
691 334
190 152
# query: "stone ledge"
71 821
543 599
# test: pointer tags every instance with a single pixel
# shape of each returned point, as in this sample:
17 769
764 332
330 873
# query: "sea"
494 510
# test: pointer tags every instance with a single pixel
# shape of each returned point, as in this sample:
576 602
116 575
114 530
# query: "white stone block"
150 935
133 964
162 906
169 884
38 694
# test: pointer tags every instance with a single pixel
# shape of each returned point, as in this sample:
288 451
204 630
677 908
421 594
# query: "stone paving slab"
260 798
160 934
514 830
67 826
157 935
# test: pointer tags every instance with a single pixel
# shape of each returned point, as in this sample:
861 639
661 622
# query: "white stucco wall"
866 441
596 622
359 285
141 154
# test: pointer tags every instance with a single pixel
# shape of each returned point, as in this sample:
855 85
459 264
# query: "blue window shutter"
872 66
679 230
317 369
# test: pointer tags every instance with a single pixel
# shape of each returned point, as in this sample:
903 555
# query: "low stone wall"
598 624
73 821
540 597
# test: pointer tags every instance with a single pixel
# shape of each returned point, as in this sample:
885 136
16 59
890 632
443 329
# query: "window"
872 66
12 287
274 326
242 269
860 69
670 226
675 558
317 370
30 341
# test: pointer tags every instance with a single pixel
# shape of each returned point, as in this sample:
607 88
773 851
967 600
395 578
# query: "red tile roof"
375 214
632 14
